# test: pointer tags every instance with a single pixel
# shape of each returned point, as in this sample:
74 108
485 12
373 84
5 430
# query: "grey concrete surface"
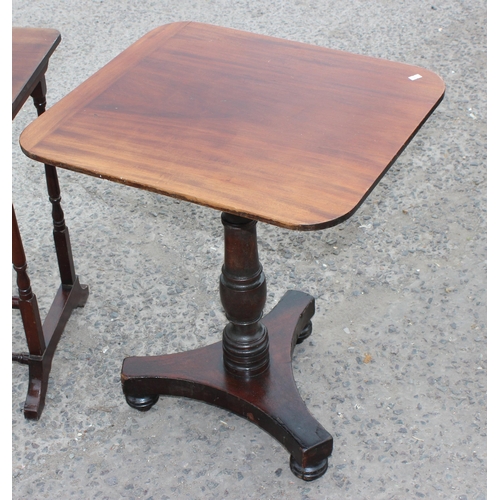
403 281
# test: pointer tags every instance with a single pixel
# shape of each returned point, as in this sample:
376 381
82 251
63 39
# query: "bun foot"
309 472
306 332
270 400
142 403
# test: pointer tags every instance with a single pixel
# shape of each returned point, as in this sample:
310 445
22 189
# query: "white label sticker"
415 77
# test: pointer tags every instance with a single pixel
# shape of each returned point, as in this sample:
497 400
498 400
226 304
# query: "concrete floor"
403 280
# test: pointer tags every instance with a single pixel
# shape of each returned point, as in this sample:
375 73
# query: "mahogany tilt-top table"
31 51
262 129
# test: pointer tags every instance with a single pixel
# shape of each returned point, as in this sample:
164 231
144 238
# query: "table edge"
41 69
305 226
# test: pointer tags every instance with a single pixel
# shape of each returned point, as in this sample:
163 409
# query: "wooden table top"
283 132
31 50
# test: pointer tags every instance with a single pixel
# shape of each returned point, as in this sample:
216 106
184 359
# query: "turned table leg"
26 301
42 339
250 371
60 232
245 339
39 95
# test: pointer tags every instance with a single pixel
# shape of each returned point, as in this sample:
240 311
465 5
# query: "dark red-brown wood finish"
31 50
270 400
278 131
261 129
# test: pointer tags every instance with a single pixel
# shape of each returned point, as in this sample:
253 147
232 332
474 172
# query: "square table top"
287 133
31 51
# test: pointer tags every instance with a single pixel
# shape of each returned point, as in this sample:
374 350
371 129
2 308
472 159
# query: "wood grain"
31 51
270 401
283 132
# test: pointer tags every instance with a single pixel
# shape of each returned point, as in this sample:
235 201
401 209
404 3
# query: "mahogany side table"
31 51
261 129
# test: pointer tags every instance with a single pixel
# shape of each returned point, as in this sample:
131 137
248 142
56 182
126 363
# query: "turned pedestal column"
249 372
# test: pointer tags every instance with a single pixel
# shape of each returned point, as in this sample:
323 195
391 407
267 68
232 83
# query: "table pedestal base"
42 339
270 400
66 300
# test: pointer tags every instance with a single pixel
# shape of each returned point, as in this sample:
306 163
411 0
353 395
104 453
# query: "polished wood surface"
287 133
261 129
270 401
31 51
249 372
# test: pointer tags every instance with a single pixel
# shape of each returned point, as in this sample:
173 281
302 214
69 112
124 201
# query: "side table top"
283 132
31 50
